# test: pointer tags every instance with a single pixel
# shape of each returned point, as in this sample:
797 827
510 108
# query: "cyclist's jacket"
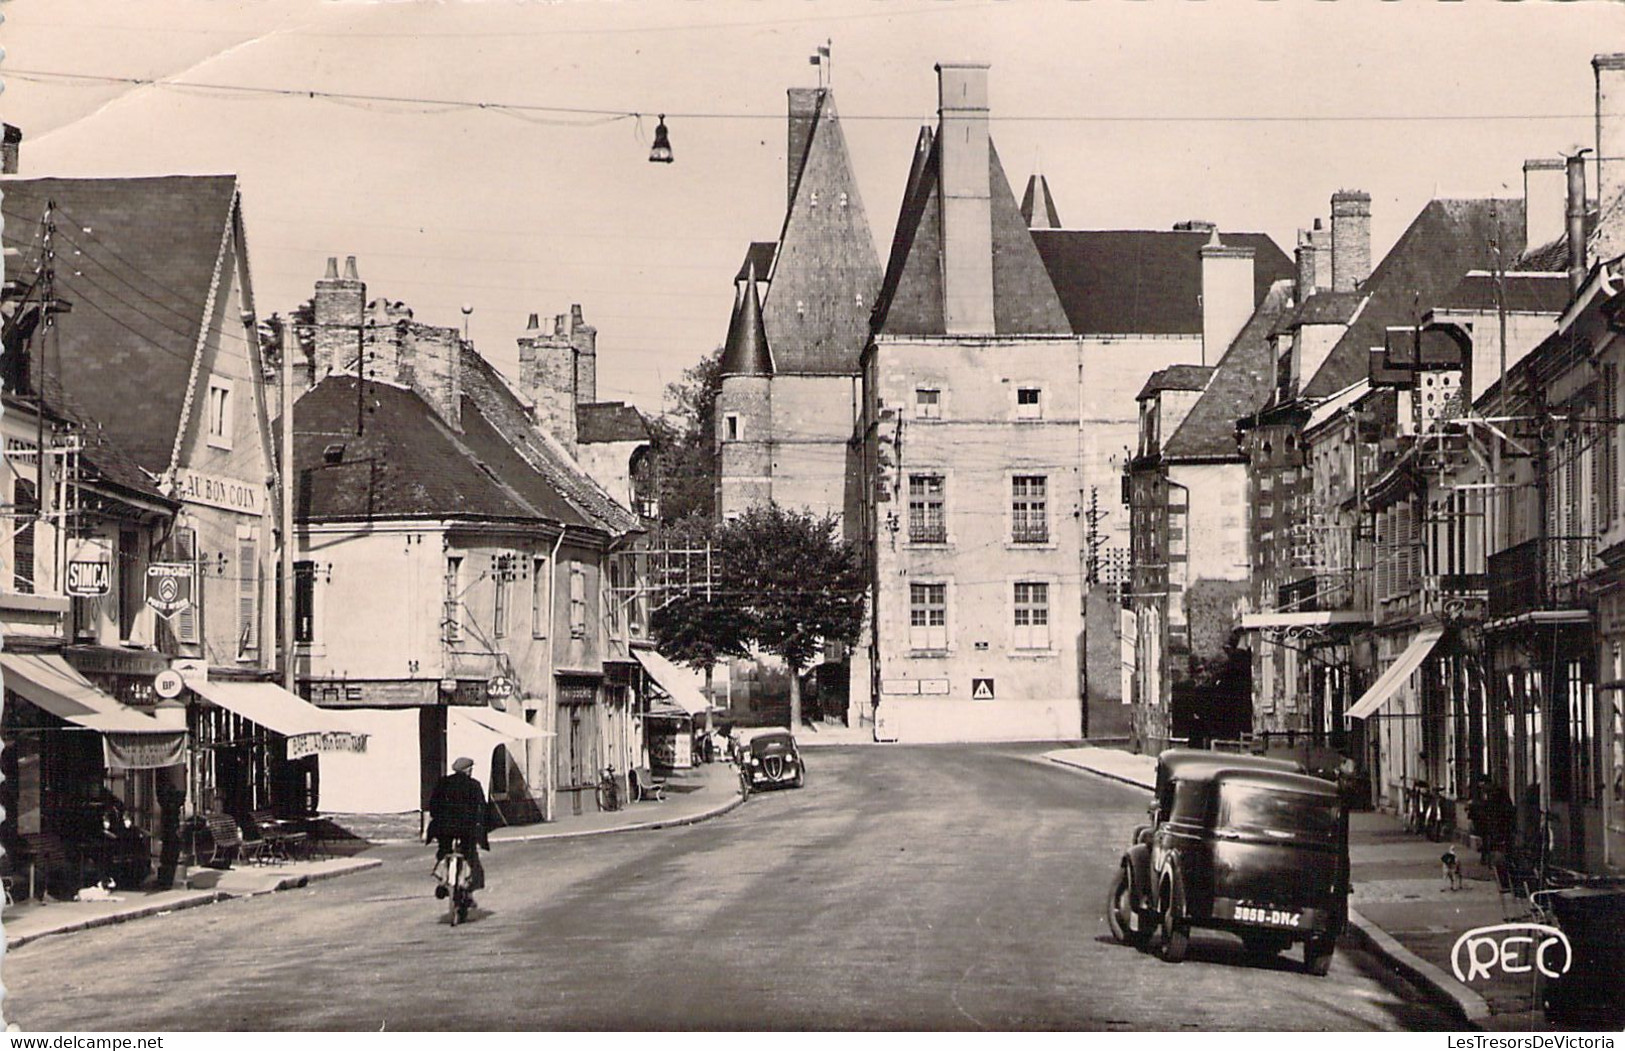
457 808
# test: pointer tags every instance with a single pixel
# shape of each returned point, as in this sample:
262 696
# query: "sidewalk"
691 796
1401 907
705 791
29 920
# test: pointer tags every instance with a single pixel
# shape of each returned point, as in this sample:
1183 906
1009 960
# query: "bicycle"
454 879
609 790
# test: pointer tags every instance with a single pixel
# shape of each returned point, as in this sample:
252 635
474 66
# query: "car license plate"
1268 916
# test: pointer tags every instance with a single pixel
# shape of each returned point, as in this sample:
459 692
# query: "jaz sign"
1512 948
169 587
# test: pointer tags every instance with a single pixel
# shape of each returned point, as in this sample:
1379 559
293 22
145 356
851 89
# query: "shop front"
677 711
258 747
80 771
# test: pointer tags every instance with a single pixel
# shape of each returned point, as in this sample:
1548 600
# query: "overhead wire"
603 115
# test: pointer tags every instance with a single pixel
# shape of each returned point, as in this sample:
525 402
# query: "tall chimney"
1543 200
1610 75
584 340
1227 295
10 143
339 306
967 204
1351 239
1314 259
803 117
1577 221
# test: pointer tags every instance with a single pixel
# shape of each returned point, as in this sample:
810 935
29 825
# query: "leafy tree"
798 583
683 443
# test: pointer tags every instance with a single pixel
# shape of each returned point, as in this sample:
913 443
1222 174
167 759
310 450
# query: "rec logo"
1513 948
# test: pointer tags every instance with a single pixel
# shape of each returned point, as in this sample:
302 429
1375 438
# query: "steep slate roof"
825 272
1143 282
101 458
1447 239
1037 201
407 464
911 303
1526 293
1177 377
1325 307
760 256
1551 257
506 413
1242 382
609 421
143 253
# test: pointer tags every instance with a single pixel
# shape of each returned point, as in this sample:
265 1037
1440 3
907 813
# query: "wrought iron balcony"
1539 574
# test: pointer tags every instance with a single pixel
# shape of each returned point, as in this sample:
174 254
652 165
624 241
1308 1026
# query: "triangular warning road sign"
981 689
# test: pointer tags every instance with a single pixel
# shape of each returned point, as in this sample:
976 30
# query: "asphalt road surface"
921 888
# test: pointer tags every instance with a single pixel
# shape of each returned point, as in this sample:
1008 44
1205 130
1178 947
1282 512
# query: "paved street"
936 888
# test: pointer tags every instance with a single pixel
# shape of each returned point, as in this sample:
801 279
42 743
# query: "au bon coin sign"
170 587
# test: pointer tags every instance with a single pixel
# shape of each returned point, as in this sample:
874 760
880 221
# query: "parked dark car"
1241 844
770 759
104 842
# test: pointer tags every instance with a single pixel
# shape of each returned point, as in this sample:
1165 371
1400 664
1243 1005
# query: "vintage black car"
104 842
1241 844
770 759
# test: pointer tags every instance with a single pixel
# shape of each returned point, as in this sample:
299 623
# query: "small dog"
102 891
1452 868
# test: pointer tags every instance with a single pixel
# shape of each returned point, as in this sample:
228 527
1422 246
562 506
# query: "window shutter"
186 621
248 585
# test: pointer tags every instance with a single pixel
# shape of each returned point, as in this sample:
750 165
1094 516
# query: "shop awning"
500 723
1325 618
53 684
1389 682
309 729
679 684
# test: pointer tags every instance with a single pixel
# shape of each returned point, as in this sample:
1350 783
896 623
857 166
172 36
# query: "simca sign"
329 741
169 587
89 579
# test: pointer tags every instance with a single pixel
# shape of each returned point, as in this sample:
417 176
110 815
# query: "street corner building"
464 585
138 596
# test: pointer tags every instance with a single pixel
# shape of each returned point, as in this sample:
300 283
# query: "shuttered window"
25 501
578 601
184 623
248 593
304 602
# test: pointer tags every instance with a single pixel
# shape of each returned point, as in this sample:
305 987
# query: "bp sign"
169 587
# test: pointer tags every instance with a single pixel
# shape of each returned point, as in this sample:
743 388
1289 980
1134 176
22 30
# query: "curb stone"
203 898
674 822
1467 1005
1098 773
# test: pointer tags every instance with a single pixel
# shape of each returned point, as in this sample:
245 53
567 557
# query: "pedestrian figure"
457 820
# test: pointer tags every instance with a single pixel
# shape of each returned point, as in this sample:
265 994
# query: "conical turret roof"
746 353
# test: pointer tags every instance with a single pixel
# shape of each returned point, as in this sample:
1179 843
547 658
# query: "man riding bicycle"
457 821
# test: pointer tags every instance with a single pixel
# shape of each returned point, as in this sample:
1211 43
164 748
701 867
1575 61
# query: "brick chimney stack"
547 375
339 306
1610 75
1314 259
967 202
803 118
11 142
584 341
1351 239
1227 295
1576 214
1544 197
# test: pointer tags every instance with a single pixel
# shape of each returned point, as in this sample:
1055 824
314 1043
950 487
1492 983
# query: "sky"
1249 114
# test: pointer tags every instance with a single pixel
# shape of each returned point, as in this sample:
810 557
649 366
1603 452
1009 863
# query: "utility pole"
290 341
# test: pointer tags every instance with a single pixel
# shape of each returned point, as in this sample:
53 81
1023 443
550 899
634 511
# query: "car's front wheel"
801 777
1176 932
1120 915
